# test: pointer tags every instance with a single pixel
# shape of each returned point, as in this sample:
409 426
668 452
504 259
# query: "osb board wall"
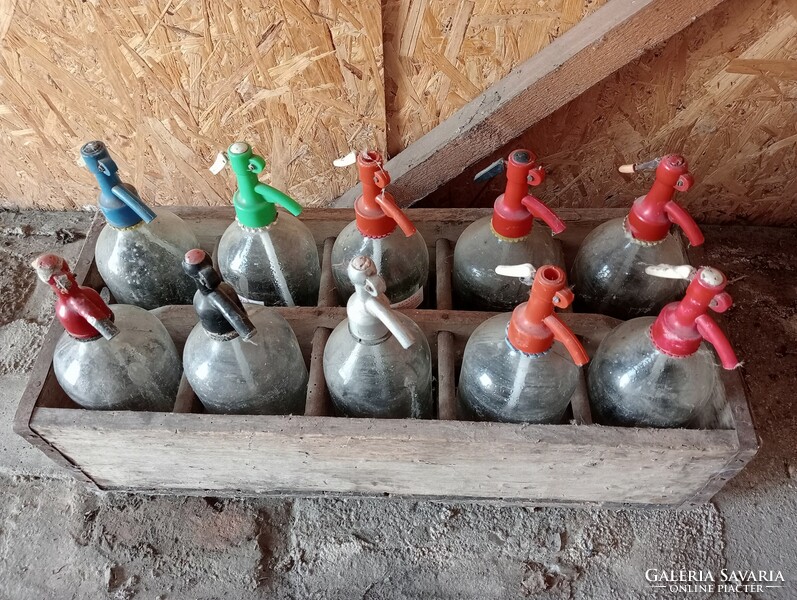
723 92
168 83
440 54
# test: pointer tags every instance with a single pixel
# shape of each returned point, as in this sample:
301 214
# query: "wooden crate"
577 462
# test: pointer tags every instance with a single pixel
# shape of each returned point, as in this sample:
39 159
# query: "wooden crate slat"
427 458
327 292
318 401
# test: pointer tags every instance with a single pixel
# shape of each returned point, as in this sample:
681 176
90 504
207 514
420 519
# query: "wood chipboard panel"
723 92
170 83
440 54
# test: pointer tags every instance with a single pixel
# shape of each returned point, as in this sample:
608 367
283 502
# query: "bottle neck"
517 188
74 306
363 326
118 214
527 330
253 212
648 220
510 218
372 222
675 330
652 215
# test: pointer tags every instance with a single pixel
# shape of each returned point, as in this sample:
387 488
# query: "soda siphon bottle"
117 357
238 364
608 273
268 257
377 362
507 237
657 372
139 251
523 367
399 253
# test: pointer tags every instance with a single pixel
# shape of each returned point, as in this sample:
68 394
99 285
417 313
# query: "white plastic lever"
671 271
524 272
346 161
219 164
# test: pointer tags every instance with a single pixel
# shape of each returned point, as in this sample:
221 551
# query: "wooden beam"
610 38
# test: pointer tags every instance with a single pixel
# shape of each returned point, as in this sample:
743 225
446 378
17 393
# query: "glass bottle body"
139 369
142 264
500 383
608 274
632 383
381 380
403 262
480 250
264 376
276 265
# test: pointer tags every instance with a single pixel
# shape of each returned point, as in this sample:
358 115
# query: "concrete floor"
59 541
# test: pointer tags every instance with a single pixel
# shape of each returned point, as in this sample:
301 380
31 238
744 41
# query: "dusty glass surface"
608 274
381 380
499 383
139 369
479 251
142 265
266 376
632 383
275 265
403 262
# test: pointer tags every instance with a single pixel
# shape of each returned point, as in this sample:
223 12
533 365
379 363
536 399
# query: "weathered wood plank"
446 377
736 394
445 265
579 403
425 458
327 292
187 401
613 36
441 54
318 403
433 223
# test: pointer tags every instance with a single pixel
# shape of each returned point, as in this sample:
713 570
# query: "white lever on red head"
524 272
685 272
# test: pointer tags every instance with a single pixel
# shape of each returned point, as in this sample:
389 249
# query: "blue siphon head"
117 212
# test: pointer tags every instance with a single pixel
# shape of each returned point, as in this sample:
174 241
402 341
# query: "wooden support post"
610 38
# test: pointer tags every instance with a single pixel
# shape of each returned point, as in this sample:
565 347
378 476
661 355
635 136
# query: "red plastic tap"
81 310
534 326
682 326
652 215
376 211
514 211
